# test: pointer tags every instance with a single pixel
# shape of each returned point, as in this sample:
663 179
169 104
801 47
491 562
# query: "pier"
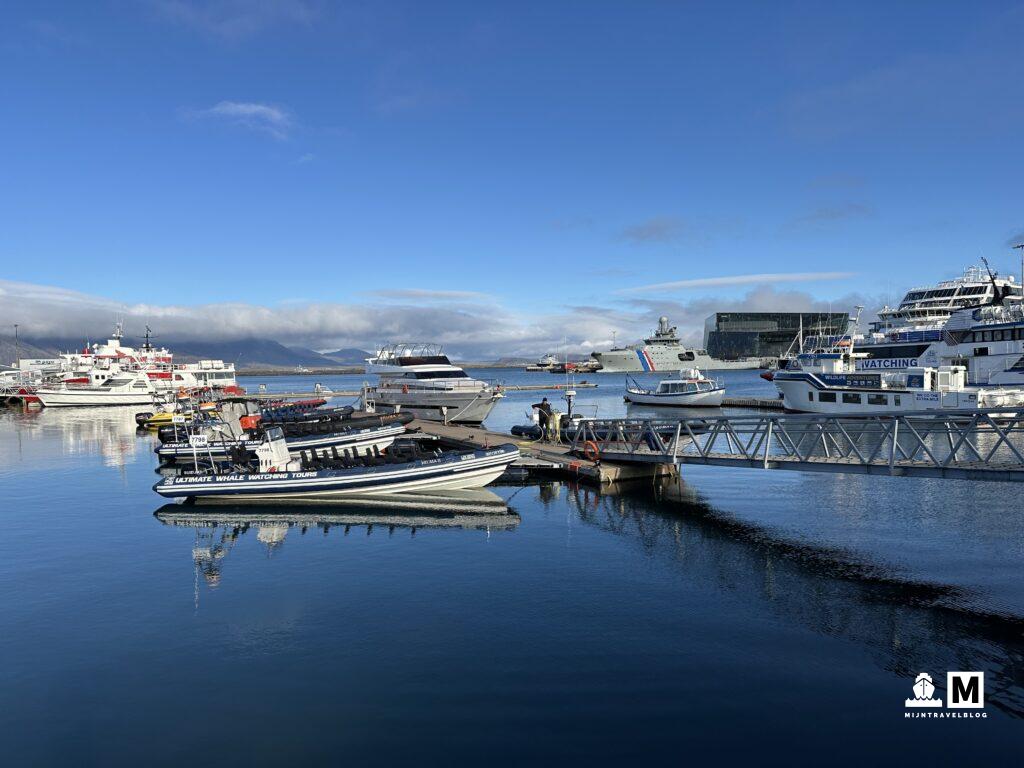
965 445
537 457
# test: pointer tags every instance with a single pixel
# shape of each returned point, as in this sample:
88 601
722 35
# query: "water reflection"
219 526
906 626
107 431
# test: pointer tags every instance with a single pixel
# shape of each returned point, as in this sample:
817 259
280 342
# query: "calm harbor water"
774 616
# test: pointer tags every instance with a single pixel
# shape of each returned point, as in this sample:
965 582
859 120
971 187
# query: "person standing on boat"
543 416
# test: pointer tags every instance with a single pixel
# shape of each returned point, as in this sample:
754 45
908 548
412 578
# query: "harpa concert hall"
732 335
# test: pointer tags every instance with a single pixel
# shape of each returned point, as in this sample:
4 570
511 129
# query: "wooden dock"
539 457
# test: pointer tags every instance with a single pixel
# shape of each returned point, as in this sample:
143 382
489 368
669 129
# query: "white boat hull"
804 397
457 407
709 399
665 358
63 398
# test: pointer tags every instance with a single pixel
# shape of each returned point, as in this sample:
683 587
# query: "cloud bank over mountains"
471 326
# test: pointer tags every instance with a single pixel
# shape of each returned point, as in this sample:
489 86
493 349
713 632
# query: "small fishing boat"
274 474
692 389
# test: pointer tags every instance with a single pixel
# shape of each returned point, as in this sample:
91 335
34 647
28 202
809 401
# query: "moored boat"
691 389
421 380
122 388
276 475
361 434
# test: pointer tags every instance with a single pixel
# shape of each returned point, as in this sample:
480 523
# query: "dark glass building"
730 335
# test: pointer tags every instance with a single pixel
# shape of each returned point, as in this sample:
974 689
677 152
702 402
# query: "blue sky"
500 174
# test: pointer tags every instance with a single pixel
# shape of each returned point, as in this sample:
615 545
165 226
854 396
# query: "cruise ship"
931 306
663 351
421 380
966 321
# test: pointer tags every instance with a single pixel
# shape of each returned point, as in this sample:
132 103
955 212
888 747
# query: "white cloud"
469 328
729 280
264 118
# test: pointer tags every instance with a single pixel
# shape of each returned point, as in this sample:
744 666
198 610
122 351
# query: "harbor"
534 384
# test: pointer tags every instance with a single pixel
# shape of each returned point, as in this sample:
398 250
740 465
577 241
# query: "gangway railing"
962 444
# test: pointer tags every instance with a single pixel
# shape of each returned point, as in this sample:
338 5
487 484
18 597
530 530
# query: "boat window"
690 388
826 397
442 375
116 382
810 396
997 335
852 398
986 335
139 385
980 351
685 356
895 399
878 400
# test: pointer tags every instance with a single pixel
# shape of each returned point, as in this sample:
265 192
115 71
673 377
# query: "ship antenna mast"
1020 247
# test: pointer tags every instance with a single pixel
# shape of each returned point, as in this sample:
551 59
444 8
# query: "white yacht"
691 389
421 380
120 388
664 352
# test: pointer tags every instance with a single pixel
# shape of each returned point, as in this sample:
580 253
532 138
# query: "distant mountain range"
244 353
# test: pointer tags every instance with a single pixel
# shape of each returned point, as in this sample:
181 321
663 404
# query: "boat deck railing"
985 444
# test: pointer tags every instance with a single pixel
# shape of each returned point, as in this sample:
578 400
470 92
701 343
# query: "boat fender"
591 451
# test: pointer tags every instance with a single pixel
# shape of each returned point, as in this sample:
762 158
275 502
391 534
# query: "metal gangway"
964 445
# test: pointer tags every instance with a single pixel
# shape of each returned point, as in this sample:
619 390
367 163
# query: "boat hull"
710 399
470 470
665 358
62 399
455 407
802 393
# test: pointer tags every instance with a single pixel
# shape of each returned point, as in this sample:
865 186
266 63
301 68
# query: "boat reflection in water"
905 626
219 525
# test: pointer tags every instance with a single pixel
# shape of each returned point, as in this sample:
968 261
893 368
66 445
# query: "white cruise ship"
931 306
421 380
664 352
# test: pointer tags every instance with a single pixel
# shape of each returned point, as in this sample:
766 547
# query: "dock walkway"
541 457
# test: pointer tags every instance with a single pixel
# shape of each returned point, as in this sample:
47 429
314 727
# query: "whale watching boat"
421 380
691 389
122 388
357 434
663 351
274 474
829 381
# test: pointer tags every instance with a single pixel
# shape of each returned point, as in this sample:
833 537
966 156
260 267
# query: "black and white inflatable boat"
367 437
275 475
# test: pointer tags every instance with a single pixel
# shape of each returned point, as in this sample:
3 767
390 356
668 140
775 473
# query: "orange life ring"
591 450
